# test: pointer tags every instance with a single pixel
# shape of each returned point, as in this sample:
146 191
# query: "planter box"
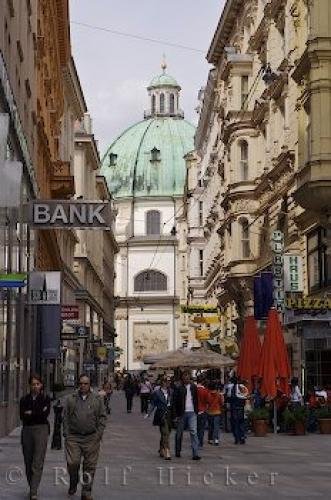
324 425
260 428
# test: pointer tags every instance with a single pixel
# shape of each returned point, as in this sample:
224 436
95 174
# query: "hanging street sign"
69 214
45 288
199 308
277 248
206 319
13 280
293 273
69 312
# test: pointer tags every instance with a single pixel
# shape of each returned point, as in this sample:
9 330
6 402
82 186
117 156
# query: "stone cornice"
223 31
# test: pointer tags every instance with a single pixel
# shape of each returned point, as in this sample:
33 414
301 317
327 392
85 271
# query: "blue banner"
263 295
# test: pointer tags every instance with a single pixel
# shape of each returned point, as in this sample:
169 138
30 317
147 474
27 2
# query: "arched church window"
153 104
161 103
172 104
150 281
153 222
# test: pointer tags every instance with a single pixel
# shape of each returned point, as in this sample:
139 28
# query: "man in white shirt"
185 408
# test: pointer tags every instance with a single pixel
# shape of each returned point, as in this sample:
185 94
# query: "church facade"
145 172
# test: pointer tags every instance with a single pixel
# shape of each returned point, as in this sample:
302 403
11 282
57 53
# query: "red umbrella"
274 366
250 352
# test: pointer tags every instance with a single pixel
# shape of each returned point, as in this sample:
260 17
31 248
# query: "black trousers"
129 399
144 400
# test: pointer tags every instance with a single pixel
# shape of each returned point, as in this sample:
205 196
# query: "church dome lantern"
164 92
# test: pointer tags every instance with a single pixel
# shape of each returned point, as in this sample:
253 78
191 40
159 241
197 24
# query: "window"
201 262
243 161
200 213
155 154
112 159
244 90
153 222
172 104
245 243
319 259
150 281
153 104
161 103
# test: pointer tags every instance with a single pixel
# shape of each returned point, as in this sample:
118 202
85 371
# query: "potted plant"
259 418
296 419
323 416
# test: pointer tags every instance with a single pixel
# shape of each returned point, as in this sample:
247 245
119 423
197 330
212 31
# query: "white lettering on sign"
293 273
41 213
75 214
277 247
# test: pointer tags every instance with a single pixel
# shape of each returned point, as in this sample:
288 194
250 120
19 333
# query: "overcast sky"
114 70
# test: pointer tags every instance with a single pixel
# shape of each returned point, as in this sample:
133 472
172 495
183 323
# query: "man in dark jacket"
83 425
185 409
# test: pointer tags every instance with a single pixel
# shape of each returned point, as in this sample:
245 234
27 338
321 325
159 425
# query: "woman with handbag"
161 401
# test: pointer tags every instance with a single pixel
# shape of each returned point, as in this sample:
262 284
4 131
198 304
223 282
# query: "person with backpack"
237 395
83 426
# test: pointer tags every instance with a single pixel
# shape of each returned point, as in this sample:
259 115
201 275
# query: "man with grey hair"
83 426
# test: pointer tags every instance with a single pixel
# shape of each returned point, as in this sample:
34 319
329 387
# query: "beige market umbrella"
201 358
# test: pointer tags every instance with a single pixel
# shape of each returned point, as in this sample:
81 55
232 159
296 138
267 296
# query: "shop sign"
82 331
293 273
309 304
13 280
199 308
206 320
202 334
69 214
102 354
69 312
45 288
277 247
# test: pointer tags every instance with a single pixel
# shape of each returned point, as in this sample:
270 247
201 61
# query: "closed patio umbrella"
274 367
250 352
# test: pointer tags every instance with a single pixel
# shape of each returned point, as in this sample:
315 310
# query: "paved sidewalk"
274 467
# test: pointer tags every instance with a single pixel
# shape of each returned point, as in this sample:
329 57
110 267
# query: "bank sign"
68 214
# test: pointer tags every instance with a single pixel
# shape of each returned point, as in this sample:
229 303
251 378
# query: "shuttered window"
153 221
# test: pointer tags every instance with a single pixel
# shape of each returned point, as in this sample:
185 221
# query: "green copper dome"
147 160
163 80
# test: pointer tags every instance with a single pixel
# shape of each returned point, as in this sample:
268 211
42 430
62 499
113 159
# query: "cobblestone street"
129 466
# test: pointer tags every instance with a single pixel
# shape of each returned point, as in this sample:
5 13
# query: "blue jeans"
238 424
202 420
214 423
189 420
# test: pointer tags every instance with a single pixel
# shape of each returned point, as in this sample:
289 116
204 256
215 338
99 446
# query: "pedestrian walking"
202 408
108 391
83 426
145 394
34 412
162 400
57 431
237 397
129 387
296 398
185 411
215 403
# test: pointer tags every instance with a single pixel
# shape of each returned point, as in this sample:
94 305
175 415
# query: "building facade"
94 256
254 157
18 108
145 171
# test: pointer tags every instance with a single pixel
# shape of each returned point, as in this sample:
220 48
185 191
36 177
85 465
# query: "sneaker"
210 441
72 491
196 457
216 442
